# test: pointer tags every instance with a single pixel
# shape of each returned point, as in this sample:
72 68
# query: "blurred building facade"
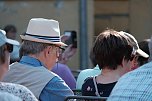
133 16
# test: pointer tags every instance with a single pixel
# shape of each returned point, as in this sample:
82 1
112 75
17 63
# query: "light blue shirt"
85 74
134 86
55 90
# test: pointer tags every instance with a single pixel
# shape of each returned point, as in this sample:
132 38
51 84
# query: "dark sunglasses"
9 48
60 47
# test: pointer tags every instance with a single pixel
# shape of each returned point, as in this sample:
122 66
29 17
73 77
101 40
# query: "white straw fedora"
44 31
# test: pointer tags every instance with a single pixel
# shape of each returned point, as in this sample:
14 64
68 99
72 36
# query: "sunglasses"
9 48
58 50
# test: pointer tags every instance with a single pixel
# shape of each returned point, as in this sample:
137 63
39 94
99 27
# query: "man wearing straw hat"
40 50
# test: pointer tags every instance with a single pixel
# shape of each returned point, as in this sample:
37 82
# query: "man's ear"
134 63
46 51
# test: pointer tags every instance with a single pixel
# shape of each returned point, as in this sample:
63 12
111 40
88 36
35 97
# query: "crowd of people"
39 70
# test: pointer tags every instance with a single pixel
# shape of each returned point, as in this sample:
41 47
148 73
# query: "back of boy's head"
110 48
144 46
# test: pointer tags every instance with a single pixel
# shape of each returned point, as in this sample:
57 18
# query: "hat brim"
142 53
30 38
13 42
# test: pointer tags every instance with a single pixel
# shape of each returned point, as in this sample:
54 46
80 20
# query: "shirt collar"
97 67
30 61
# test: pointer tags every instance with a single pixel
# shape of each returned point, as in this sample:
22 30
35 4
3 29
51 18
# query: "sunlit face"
52 57
128 65
5 66
7 60
135 63
8 48
133 59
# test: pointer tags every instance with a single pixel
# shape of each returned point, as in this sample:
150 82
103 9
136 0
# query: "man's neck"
40 58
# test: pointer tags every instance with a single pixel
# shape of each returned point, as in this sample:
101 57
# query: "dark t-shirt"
88 88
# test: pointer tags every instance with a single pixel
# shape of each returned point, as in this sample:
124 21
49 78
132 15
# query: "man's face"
5 66
7 60
52 56
127 65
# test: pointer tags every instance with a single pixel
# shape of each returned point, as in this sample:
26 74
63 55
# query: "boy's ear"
123 62
134 64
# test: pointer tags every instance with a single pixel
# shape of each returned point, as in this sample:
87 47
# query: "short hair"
110 48
150 49
2 54
143 46
9 28
31 47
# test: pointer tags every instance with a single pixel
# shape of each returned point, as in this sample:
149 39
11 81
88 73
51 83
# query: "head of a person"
139 52
6 47
113 50
10 31
144 46
42 41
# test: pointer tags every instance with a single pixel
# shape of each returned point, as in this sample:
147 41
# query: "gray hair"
31 47
150 49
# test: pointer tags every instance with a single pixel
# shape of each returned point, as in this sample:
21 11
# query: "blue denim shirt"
55 90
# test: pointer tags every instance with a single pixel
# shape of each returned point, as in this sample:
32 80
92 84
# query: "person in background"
140 60
135 85
61 68
40 49
142 51
144 46
11 32
88 72
115 53
6 47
